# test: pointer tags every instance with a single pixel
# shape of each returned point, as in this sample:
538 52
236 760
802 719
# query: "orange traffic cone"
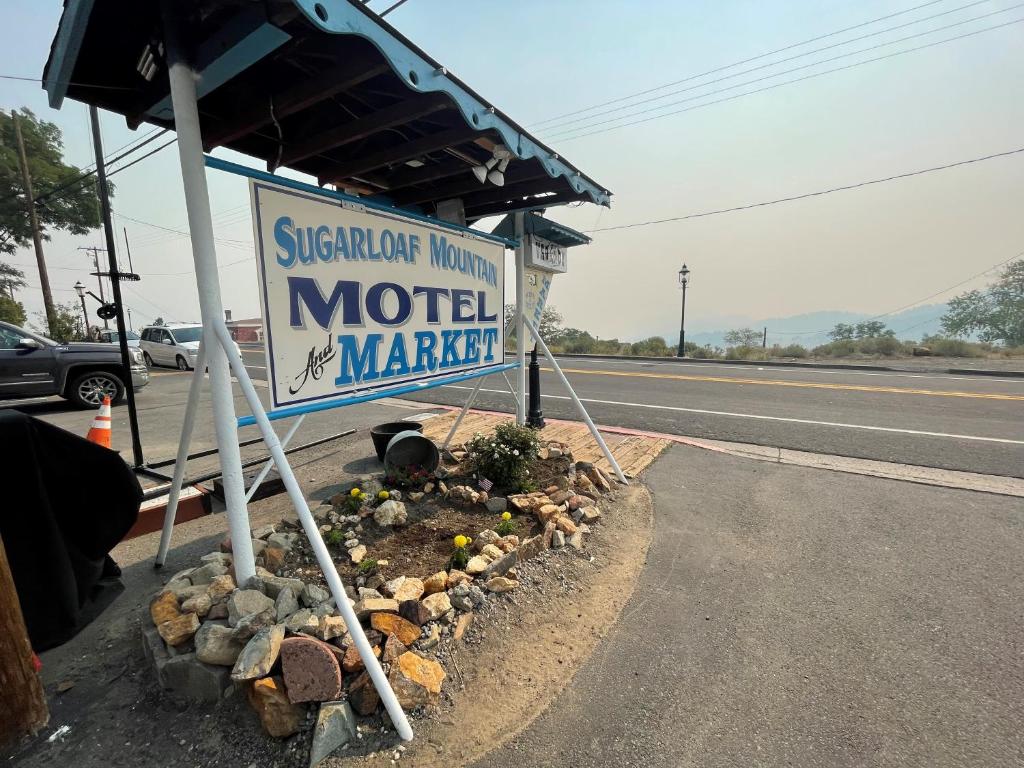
99 432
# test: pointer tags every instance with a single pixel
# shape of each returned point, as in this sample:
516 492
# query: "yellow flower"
506 515
382 495
354 492
462 541
363 496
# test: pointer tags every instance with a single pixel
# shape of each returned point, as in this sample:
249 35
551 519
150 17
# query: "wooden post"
37 238
22 703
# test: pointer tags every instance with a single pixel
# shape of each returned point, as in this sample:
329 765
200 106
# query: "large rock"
282 540
391 624
416 680
304 621
332 627
404 588
273 559
246 602
249 625
363 695
259 654
352 661
548 512
207 573
497 504
565 524
216 645
530 548
436 583
390 513
437 605
501 584
219 589
590 514
279 716
414 611
477 565
393 648
455 577
357 554
180 630
384 605
274 585
484 538
500 566
335 727
199 605
164 607
313 594
310 669
285 604
491 552
191 680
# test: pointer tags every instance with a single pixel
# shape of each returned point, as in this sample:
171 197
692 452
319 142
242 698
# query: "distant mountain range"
810 329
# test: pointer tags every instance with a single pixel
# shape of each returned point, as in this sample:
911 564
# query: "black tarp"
68 503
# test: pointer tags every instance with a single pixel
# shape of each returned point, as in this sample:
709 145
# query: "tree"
159 321
11 279
550 323
73 208
743 337
653 346
871 329
996 313
66 324
11 311
842 332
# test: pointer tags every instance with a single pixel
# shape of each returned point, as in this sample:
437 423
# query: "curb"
780 364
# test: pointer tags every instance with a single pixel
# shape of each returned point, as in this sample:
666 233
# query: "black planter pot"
382 434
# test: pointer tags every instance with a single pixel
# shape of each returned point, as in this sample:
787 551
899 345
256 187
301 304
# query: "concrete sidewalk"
791 616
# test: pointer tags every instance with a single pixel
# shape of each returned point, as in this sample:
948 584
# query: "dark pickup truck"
35 366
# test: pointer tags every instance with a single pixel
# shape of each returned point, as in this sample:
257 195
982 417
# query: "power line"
563 127
737 63
806 195
68 82
774 86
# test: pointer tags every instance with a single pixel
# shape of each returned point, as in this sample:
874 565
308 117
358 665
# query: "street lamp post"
684 280
80 290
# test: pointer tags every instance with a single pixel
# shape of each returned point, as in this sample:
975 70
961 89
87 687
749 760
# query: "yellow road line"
798 384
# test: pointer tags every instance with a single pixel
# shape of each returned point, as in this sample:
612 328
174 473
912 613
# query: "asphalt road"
792 617
968 423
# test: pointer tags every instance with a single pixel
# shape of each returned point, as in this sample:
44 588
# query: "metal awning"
326 88
534 224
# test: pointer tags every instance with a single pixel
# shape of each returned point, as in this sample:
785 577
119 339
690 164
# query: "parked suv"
176 345
35 366
111 336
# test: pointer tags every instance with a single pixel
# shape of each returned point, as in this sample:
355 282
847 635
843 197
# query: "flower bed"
279 639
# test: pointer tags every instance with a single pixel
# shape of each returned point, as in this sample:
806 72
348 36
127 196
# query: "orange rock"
363 695
565 525
164 608
436 583
273 559
548 512
280 718
220 587
456 577
390 624
353 662
416 680
462 624
179 630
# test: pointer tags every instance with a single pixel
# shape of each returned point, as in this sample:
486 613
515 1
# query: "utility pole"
764 339
37 237
99 279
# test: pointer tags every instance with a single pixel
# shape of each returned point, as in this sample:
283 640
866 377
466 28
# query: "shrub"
505 458
790 350
947 347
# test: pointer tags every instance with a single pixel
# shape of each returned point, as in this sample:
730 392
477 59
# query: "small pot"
382 434
411 449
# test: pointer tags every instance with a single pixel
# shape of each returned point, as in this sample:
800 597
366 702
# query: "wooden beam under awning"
287 102
399 154
532 203
523 172
360 128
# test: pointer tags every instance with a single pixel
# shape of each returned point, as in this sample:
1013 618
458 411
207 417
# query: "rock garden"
423 554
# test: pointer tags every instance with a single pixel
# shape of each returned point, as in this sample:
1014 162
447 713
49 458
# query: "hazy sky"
871 250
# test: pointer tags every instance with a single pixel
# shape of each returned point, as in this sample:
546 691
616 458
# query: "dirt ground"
519 653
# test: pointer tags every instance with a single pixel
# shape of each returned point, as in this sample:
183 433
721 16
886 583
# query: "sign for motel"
356 299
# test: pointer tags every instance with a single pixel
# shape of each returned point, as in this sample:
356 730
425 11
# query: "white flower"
515 452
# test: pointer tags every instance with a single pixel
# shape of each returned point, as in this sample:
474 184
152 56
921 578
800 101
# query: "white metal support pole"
204 254
323 556
182 458
520 330
511 389
270 462
579 405
462 413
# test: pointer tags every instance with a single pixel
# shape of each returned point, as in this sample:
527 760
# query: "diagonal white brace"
270 462
579 405
462 413
323 556
182 458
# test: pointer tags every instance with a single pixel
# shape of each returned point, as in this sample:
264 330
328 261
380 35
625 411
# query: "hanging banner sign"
538 286
543 254
356 299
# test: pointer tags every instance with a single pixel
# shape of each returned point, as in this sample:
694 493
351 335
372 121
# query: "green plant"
367 566
506 527
460 556
334 537
505 458
406 477
996 313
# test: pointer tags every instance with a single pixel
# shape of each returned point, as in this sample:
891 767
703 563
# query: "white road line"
760 417
771 369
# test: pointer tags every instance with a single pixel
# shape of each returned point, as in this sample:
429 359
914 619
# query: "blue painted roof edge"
70 32
252 173
420 73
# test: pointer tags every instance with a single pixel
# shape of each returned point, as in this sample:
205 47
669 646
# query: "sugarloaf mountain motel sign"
356 299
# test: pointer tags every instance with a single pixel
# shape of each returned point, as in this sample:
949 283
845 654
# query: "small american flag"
485 484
